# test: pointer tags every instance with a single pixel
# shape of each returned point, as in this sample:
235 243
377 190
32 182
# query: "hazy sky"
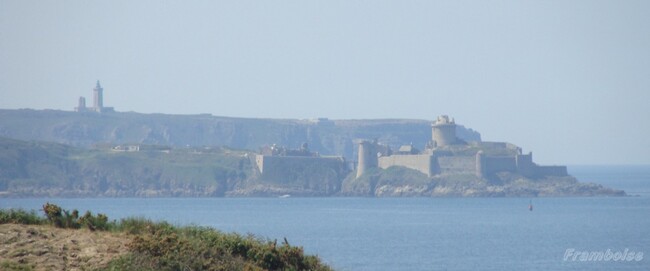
568 80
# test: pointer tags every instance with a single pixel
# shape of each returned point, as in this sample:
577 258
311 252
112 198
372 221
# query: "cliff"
41 169
171 155
51 169
327 137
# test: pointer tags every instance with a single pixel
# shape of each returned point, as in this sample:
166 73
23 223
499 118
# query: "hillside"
51 169
63 240
41 169
328 137
183 156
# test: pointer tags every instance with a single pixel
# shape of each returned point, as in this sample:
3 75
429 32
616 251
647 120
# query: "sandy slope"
49 248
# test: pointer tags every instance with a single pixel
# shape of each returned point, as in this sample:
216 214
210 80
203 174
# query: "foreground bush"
70 220
162 246
20 216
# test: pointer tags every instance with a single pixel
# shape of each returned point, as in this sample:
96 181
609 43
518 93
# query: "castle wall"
496 164
493 145
525 165
286 168
456 164
423 163
551 171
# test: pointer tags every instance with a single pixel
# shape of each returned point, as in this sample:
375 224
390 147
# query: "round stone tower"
479 164
367 157
443 131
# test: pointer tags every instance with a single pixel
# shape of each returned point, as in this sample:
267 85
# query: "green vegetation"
49 169
41 169
8 265
20 216
164 247
65 219
60 218
161 246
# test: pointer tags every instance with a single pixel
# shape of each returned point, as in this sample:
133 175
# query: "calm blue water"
421 233
635 180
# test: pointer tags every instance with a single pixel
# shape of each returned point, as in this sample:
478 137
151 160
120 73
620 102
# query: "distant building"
82 105
98 102
98 97
284 165
446 154
443 132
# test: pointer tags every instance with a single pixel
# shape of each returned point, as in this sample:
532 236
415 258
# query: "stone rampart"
494 164
456 164
551 171
288 168
424 163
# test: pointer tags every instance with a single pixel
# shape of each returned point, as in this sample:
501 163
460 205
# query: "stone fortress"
280 164
446 154
98 102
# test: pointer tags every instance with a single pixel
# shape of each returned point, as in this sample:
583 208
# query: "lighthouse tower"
98 98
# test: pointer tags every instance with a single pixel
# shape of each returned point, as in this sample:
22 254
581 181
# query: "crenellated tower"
443 131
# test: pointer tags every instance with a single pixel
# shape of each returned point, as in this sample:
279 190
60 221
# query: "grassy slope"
150 246
37 168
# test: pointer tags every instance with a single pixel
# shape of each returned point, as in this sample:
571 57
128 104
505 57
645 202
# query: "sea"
564 233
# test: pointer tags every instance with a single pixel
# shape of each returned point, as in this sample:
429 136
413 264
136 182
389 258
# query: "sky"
567 80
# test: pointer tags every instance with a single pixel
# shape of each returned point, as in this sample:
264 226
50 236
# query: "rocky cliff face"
37 168
29 169
50 170
327 137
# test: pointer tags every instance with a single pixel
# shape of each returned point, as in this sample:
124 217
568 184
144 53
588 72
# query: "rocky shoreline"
552 187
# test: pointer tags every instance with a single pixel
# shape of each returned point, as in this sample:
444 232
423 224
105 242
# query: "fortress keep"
443 132
446 154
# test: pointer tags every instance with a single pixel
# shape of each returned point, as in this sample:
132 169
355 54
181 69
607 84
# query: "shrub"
65 219
202 248
20 216
139 225
161 246
99 222
53 214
